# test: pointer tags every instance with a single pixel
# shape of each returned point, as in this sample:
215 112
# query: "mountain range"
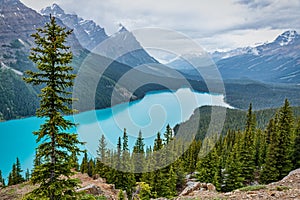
17 99
91 35
275 62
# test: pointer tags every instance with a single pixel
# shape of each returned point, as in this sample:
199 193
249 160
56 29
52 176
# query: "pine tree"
2 180
37 161
15 176
155 177
285 137
158 143
208 167
74 161
138 157
157 183
171 183
296 154
260 148
10 179
270 172
12 176
102 162
247 150
178 167
168 134
91 166
125 141
233 171
127 178
18 176
192 156
84 167
52 58
27 175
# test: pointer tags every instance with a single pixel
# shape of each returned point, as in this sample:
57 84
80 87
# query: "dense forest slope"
235 120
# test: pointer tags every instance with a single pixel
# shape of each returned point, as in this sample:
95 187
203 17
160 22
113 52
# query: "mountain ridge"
274 62
92 36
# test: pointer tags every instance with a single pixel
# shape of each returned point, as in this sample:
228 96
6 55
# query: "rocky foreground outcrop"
95 186
287 188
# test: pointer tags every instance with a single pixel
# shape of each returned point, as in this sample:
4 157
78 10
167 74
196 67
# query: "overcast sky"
214 24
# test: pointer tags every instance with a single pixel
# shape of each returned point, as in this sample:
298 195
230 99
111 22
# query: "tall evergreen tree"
102 149
296 153
27 175
74 161
233 171
128 180
19 178
10 179
138 157
170 184
158 143
102 157
2 180
270 172
125 141
247 146
37 161
168 134
285 137
208 167
52 58
12 176
15 176
84 167
260 148
91 167
192 156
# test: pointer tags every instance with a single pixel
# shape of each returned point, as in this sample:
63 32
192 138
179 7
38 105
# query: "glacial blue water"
149 115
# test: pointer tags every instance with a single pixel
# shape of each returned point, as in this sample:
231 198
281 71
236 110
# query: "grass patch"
282 188
253 188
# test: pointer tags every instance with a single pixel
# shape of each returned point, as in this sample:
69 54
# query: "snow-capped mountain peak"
122 29
88 32
54 10
286 38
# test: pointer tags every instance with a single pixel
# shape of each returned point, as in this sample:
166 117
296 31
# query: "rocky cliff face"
17 23
87 32
17 20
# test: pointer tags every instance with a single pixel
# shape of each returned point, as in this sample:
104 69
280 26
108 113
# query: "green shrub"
282 188
252 188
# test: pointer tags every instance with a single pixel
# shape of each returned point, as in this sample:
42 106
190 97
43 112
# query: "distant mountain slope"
277 62
90 35
274 62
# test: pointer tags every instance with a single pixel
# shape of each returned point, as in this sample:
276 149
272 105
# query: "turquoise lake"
149 115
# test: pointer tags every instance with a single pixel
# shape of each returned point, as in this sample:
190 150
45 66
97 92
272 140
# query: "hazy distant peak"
54 10
122 29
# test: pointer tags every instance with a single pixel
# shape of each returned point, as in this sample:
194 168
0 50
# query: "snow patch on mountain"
286 38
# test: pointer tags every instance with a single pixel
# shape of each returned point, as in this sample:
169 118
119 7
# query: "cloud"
255 4
207 21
